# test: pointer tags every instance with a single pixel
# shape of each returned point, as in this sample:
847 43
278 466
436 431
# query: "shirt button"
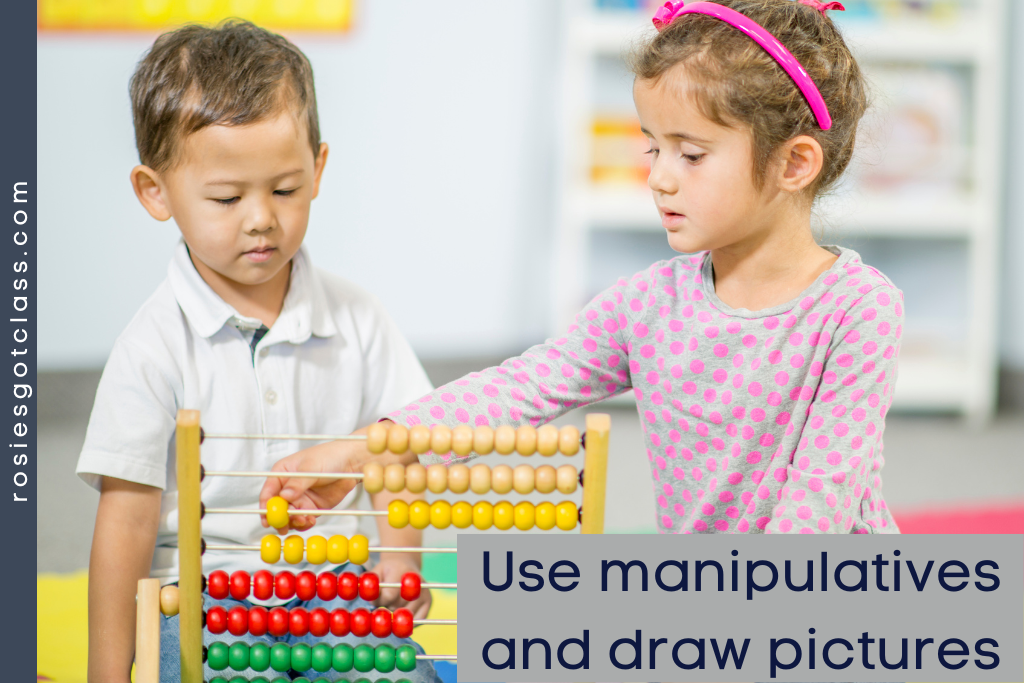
271 397
265 351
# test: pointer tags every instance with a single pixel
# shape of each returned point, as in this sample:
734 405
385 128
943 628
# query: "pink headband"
665 15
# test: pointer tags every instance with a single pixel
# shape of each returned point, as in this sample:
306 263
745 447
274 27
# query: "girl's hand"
390 569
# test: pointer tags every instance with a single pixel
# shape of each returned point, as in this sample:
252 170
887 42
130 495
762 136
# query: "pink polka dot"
697 366
785 525
771 323
754 388
700 525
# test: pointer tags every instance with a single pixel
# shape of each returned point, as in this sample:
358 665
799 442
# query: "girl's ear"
802 159
148 189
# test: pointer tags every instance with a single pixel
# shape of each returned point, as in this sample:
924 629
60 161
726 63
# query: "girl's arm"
393 566
122 551
833 474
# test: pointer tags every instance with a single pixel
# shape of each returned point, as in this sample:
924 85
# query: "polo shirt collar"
305 311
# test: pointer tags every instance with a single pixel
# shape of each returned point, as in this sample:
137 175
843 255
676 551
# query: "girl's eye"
693 158
651 151
228 201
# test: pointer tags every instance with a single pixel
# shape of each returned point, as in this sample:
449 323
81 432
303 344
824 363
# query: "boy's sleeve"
832 476
132 421
590 363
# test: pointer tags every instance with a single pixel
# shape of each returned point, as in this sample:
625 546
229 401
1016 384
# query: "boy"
243 328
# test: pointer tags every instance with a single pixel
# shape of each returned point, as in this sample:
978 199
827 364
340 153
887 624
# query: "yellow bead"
458 478
462 515
337 549
419 439
544 479
316 549
566 515
522 479
483 440
545 516
293 549
566 479
419 514
501 479
526 440
441 514
524 515
377 437
373 477
547 440
480 479
569 440
440 439
358 549
394 477
462 440
398 514
505 439
437 478
416 477
398 439
270 549
277 512
170 601
504 515
483 515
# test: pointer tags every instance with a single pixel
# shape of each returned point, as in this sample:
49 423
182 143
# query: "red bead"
369 586
348 586
380 624
319 622
258 618
401 623
360 622
277 624
263 585
217 620
240 585
305 586
410 586
327 586
298 622
340 622
238 621
217 585
284 585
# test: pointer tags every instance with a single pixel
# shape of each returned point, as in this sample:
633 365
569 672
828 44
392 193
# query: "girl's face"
701 172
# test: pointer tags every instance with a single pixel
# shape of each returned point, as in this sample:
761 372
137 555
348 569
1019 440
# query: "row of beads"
301 657
336 550
279 621
306 585
300 679
461 478
483 515
463 440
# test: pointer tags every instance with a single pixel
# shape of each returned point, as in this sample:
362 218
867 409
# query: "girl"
762 364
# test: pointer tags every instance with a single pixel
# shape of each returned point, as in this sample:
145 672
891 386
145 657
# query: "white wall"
1012 317
436 195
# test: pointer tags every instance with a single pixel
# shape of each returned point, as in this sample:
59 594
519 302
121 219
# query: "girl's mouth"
671 220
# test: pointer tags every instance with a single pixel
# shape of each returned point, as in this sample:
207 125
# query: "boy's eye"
284 193
693 158
227 201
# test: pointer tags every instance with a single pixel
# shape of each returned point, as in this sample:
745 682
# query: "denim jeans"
170 652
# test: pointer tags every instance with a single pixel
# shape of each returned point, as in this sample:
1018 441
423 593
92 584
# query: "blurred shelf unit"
928 167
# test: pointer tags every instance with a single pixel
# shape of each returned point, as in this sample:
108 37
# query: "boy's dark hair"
232 74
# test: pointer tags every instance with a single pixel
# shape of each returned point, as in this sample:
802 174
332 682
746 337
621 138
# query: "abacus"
186 600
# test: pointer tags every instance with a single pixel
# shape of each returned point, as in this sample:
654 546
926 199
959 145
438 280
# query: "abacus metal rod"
231 511
290 437
387 584
447 658
290 475
372 549
435 622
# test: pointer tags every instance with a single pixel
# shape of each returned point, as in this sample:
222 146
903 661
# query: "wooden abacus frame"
189 436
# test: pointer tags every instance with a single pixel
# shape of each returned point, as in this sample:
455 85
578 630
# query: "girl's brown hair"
232 74
738 83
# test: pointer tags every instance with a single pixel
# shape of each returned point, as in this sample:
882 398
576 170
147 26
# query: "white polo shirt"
333 362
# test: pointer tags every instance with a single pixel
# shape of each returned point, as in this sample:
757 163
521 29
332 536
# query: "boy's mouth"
260 254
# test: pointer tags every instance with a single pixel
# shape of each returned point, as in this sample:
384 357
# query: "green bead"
322 654
384 658
302 657
218 679
281 658
342 658
405 658
363 680
363 658
258 679
403 680
300 679
238 657
259 657
239 679
281 680
321 680
217 656
382 680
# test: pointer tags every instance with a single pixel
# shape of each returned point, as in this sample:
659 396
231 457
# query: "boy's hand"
390 569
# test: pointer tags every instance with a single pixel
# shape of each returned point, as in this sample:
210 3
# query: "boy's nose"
260 219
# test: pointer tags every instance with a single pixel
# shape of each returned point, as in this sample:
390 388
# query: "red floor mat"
1007 518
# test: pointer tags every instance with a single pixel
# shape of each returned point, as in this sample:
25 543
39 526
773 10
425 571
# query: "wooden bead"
419 514
398 439
441 439
483 440
501 479
373 477
545 478
462 515
503 515
337 549
437 478
566 515
523 478
547 440
358 549
316 549
394 476
458 478
480 479
544 516
505 439
462 440
398 514
377 437
270 548
169 601
416 477
524 515
569 440
277 512
526 440
483 515
419 439
441 514
566 479
293 547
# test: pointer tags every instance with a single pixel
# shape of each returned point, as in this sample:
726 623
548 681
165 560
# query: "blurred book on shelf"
619 151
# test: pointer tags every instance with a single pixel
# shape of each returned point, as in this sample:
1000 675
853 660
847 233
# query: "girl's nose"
661 179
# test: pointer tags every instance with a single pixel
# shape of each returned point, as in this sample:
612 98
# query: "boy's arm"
122 550
393 565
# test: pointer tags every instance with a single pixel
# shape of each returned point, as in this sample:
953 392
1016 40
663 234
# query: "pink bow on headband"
823 6
666 13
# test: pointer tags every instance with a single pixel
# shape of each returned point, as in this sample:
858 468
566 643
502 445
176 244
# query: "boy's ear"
318 168
147 188
802 160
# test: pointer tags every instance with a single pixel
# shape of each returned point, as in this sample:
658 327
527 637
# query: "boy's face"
240 196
